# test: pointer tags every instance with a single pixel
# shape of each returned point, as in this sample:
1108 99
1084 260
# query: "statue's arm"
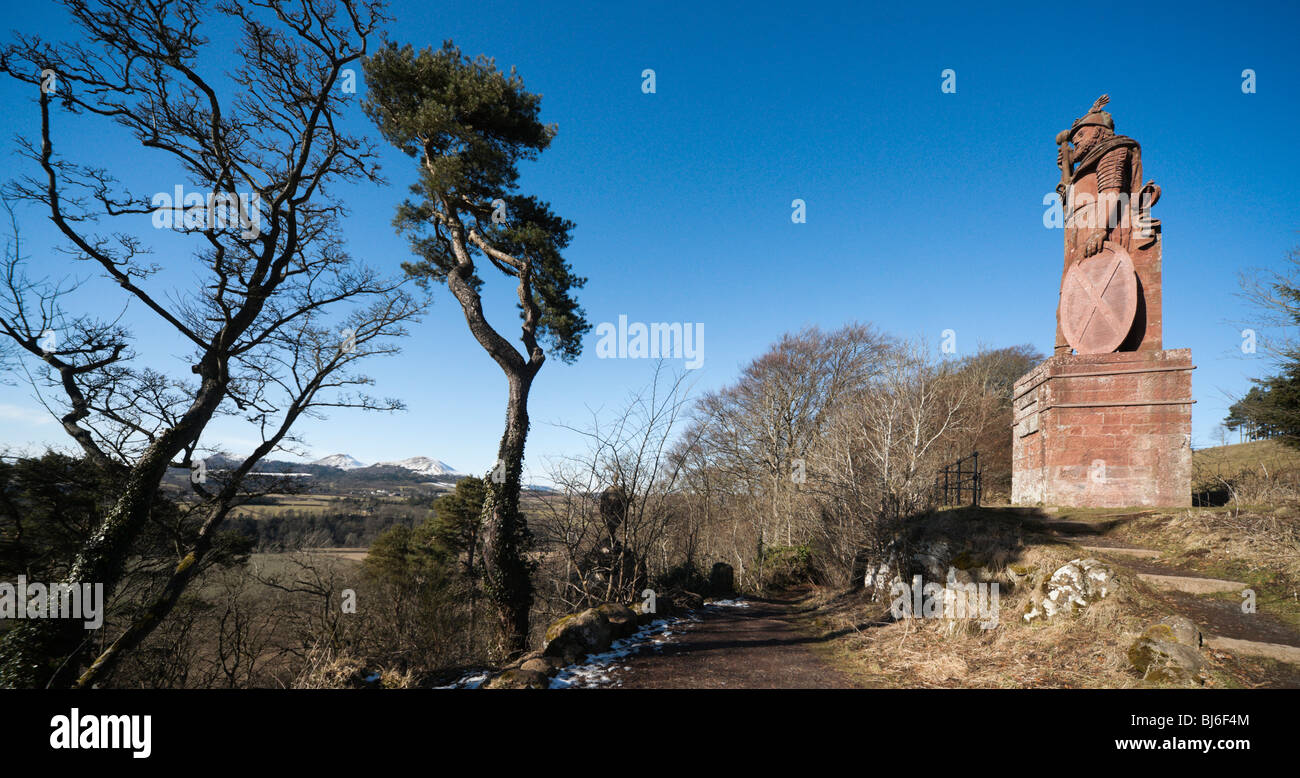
1112 183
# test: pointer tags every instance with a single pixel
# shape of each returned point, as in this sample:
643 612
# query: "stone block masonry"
1104 430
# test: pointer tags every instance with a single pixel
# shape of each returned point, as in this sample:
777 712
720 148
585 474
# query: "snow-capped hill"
341 461
423 466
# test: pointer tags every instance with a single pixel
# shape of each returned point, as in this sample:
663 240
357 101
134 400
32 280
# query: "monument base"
1104 430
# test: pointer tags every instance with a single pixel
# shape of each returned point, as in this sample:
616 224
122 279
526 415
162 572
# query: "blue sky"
924 209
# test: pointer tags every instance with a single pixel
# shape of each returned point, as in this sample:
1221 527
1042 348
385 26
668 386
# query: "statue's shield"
1099 301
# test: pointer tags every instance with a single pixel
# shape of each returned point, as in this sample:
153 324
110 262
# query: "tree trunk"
30 651
41 653
506 538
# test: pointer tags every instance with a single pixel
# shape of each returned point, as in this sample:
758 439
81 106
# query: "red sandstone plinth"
1104 430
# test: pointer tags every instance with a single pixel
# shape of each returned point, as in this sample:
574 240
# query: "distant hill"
427 467
336 473
423 466
345 474
341 461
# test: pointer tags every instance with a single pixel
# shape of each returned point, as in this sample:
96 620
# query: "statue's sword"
1067 162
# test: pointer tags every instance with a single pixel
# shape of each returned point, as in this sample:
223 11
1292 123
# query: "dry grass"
1268 454
327 668
1224 539
1088 650
318 504
1257 546
1263 472
357 554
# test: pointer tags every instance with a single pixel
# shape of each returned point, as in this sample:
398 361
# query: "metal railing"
956 481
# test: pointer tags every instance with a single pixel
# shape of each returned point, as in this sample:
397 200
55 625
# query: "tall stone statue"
1106 421
1112 303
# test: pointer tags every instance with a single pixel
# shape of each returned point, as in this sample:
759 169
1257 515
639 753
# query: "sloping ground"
1259 473
1090 649
1217 616
809 638
1268 454
1236 573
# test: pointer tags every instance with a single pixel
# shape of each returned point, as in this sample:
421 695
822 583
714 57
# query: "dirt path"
753 646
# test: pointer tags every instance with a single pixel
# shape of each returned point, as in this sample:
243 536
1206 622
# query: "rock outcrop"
1169 651
1073 586
577 635
518 678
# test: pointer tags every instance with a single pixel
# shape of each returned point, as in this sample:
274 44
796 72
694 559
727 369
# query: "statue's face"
1085 138
1088 137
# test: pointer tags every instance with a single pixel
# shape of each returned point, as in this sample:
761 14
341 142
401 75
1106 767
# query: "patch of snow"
468 681
593 671
738 602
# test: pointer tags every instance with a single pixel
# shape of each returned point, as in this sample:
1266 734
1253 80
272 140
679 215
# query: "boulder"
930 559
546 665
575 636
722 580
1072 587
1168 651
520 660
1021 573
1184 631
643 613
675 602
519 678
622 619
879 579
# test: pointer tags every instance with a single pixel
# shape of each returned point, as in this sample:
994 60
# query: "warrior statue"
1107 207
1106 421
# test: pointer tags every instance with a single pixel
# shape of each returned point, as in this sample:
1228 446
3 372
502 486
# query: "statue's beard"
1082 149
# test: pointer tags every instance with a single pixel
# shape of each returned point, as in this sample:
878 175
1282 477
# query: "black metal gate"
958 480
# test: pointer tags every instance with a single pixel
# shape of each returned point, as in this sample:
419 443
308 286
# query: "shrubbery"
683 576
783 566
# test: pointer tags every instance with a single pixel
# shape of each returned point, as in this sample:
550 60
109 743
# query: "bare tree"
991 374
1275 302
261 325
757 435
618 500
877 463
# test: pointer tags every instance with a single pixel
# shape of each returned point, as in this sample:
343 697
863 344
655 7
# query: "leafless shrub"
617 509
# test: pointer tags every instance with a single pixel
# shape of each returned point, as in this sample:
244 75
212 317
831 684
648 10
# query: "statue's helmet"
1095 117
